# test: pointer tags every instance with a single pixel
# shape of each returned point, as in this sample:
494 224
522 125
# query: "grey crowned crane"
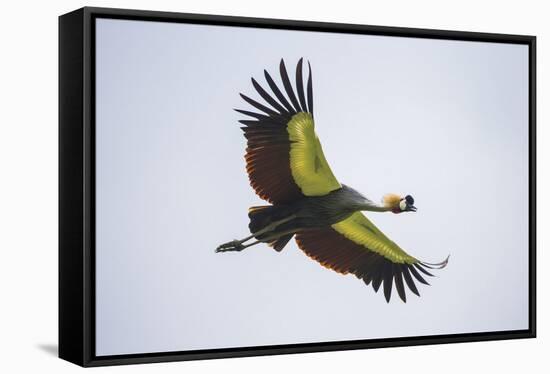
287 168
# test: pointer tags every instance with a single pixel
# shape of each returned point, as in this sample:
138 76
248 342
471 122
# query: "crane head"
406 204
399 204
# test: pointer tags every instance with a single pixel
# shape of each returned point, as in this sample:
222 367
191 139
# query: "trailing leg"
276 240
235 246
263 226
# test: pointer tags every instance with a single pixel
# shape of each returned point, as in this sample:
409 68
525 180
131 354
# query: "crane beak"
412 208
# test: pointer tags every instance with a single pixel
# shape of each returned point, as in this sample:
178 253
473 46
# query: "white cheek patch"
402 205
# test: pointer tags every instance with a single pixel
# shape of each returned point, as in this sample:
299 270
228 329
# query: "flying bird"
286 167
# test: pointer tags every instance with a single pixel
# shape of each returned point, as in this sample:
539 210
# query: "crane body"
271 222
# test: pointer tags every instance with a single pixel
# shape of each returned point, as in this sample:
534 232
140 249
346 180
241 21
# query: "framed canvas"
353 164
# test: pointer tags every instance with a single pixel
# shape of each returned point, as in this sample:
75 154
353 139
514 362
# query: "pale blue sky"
445 121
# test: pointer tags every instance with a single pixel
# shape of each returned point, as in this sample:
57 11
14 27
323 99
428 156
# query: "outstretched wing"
284 158
356 246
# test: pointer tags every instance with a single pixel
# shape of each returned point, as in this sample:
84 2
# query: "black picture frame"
76 185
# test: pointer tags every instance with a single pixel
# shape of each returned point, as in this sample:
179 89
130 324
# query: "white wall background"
28 191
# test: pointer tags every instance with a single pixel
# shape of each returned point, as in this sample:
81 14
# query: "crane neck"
371 206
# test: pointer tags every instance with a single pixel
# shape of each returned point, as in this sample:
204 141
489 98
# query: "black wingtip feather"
421 268
288 86
259 106
437 265
410 281
399 283
417 275
251 114
310 91
376 282
300 85
267 97
278 93
388 281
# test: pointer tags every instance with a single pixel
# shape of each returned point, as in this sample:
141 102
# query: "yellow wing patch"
310 169
362 231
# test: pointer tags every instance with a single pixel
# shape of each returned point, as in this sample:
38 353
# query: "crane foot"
232 246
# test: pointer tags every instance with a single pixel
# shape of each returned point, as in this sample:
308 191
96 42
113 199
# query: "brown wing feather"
268 160
334 251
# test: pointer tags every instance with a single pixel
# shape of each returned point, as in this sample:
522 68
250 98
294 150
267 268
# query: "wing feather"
409 280
399 283
258 116
300 85
421 268
288 87
271 101
257 105
310 91
417 275
388 280
278 92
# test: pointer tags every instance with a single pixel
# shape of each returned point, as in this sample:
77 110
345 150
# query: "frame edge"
305 25
71 257
533 186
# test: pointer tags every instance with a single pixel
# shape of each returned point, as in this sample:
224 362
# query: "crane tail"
260 217
264 224
280 243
